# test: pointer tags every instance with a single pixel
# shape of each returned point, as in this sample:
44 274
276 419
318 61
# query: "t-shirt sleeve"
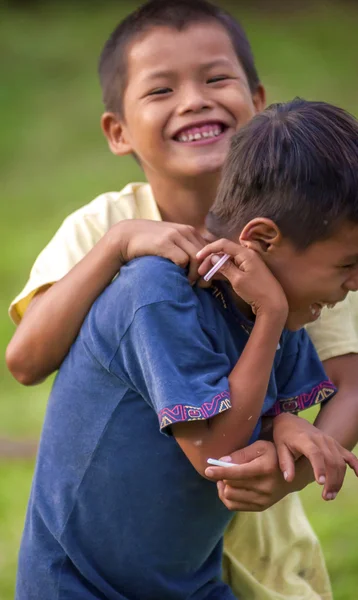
336 331
300 377
74 239
170 360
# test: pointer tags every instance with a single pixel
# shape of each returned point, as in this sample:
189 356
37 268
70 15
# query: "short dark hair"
177 14
295 163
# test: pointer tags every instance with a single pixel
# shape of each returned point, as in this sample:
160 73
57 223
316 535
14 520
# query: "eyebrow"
161 74
352 258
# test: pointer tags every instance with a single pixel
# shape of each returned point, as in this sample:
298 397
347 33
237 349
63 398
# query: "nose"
351 284
193 99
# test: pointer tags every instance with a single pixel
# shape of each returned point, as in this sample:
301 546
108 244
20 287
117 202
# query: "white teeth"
315 311
190 137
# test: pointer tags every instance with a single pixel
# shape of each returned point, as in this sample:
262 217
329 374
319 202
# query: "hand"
255 483
178 243
249 277
294 437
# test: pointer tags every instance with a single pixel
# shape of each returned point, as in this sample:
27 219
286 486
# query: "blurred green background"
53 159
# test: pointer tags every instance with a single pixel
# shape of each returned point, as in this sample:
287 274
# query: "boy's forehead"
167 49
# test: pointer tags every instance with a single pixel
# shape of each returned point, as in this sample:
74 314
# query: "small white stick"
220 463
216 267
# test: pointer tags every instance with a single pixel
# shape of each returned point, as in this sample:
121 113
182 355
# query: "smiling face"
320 275
186 95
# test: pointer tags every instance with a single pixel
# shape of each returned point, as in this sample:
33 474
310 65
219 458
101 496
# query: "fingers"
327 463
243 499
336 465
258 459
221 246
254 451
351 460
286 462
237 474
185 245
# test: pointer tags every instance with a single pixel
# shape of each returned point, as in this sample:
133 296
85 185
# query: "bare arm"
248 381
339 417
232 429
55 315
258 482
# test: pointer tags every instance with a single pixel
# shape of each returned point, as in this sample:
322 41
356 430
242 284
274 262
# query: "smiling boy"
194 90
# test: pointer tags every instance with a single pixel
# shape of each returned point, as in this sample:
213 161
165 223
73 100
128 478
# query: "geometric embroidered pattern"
319 393
187 412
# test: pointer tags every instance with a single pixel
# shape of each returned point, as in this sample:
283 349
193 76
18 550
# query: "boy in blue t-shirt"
117 509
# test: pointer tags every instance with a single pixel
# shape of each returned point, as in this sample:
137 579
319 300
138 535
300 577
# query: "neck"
188 202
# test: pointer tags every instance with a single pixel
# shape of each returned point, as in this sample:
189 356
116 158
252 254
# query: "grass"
53 159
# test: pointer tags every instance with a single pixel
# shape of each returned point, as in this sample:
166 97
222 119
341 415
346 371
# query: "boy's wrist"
116 243
273 320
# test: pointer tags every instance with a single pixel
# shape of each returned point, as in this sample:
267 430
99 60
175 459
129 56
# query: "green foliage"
53 159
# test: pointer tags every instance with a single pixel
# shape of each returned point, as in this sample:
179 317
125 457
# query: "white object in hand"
216 267
219 463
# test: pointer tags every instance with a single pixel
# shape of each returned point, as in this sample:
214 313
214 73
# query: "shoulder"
149 293
293 341
152 279
110 207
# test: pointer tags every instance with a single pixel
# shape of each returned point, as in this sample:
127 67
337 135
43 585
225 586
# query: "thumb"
247 454
286 462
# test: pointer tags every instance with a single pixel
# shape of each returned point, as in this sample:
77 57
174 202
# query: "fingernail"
334 495
209 472
285 475
322 479
226 458
198 253
215 259
329 496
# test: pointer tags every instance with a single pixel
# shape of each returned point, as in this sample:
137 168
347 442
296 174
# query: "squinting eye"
350 266
159 91
218 78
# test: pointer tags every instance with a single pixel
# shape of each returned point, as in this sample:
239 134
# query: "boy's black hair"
177 14
295 163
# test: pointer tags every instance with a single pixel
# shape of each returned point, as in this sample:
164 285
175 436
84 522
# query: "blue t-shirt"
116 510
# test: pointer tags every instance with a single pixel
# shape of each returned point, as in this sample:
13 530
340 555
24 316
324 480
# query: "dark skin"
258 484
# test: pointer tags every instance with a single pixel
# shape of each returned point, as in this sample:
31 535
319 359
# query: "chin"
206 165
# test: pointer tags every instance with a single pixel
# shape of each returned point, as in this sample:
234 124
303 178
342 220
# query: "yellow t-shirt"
267 556
79 233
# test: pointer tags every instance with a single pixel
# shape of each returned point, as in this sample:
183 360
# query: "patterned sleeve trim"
188 412
320 393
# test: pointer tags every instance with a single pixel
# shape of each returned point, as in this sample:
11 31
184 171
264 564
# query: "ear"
115 131
259 98
261 235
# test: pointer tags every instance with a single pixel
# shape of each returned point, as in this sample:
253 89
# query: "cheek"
297 288
241 106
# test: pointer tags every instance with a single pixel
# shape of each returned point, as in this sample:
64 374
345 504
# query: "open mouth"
198 133
316 308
